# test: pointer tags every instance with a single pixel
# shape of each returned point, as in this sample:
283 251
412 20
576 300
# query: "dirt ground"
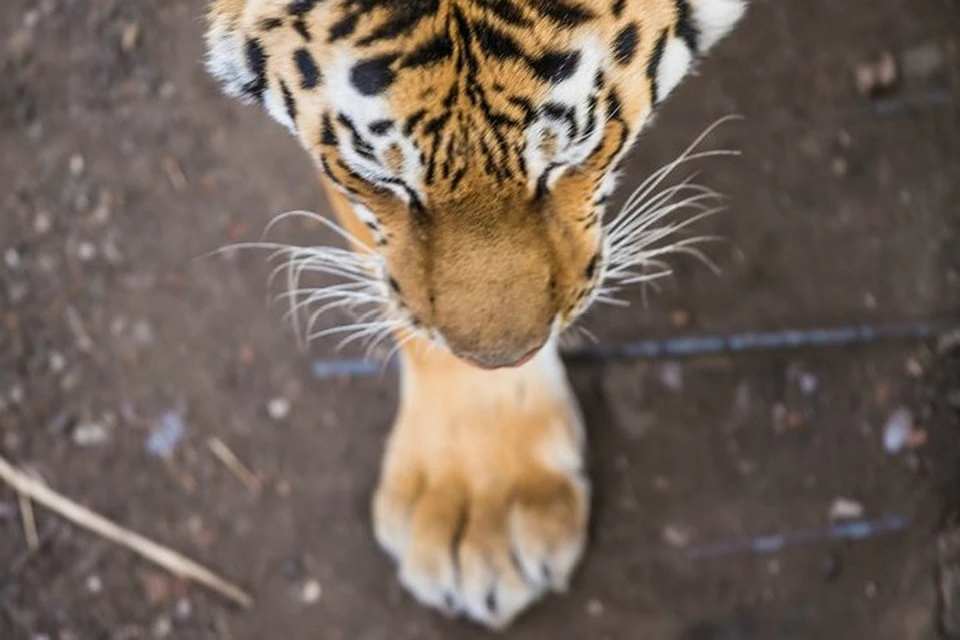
120 164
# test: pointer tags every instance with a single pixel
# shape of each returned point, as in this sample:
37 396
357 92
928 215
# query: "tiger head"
477 140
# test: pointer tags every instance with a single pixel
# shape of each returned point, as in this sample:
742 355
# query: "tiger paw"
482 501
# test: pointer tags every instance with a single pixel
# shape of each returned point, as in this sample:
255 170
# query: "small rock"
808 383
130 37
676 536
162 627
914 368
57 362
896 432
89 434
839 167
671 376
595 608
877 76
77 164
86 251
278 408
42 223
16 395
142 333
11 257
870 589
183 609
94 584
310 592
846 509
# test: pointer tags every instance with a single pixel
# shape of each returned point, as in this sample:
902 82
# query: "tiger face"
477 139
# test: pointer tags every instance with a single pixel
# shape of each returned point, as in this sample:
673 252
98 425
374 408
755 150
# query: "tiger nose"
500 359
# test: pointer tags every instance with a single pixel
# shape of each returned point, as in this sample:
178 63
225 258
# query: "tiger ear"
237 57
237 62
714 19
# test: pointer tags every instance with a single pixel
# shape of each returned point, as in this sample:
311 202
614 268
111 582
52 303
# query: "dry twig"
230 460
172 561
29 522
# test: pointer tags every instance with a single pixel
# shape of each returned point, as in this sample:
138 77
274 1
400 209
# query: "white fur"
344 98
226 60
715 19
674 65
575 92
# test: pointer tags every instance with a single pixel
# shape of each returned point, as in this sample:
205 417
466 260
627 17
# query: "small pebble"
310 592
57 362
86 251
42 223
675 536
671 376
183 609
142 333
16 394
846 509
162 628
77 164
90 434
11 258
278 408
877 76
94 584
896 432
130 37
595 608
870 589
808 383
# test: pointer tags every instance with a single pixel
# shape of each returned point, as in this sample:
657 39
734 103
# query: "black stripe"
344 27
563 13
556 66
430 52
407 15
625 44
617 7
654 65
686 28
257 64
300 26
374 76
289 102
309 72
413 121
381 127
269 24
496 44
506 11
300 7
329 134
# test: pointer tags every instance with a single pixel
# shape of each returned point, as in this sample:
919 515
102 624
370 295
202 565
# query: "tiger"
469 149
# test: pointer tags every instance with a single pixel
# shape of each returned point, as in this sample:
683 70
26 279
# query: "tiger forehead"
408 93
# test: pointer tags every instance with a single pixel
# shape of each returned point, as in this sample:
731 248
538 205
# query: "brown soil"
120 164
